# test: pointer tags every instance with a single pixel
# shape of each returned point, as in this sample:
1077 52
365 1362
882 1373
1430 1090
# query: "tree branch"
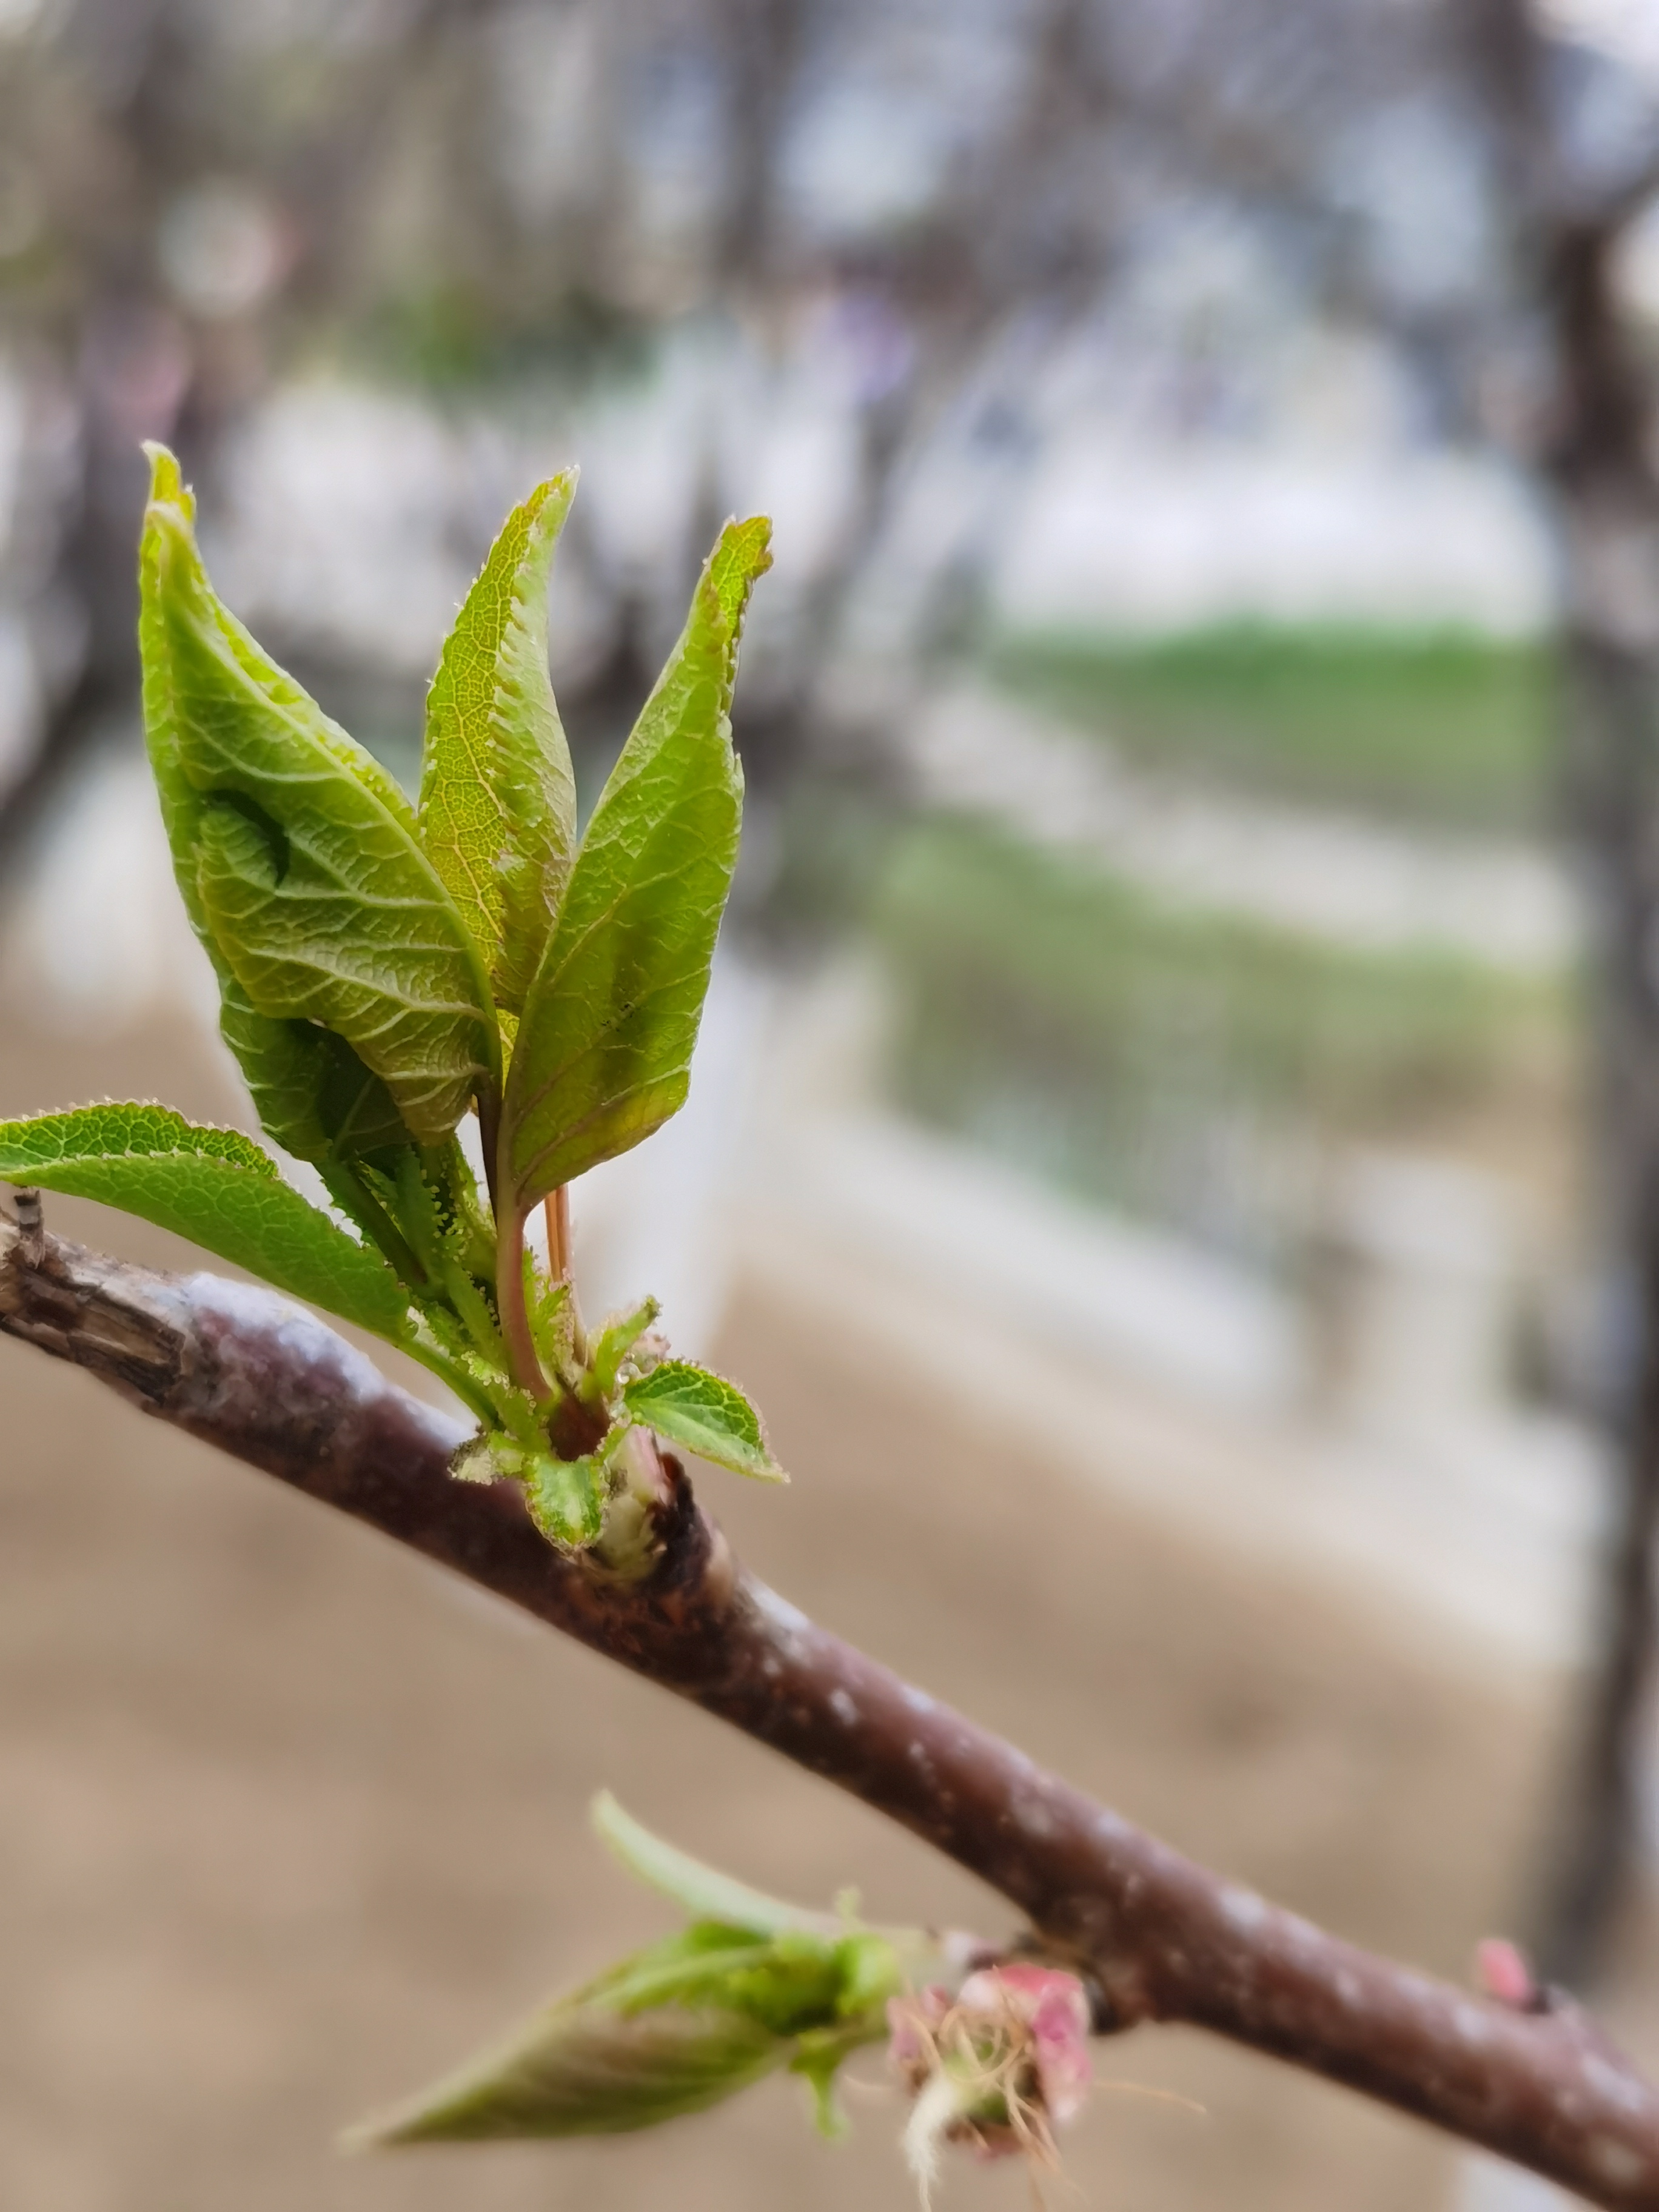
1156 1937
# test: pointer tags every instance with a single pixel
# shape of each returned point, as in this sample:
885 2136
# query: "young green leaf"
670 2030
280 1061
566 1498
625 2052
475 1462
620 1334
296 852
751 1986
818 2063
552 1313
706 1413
603 1053
498 801
703 1891
213 1186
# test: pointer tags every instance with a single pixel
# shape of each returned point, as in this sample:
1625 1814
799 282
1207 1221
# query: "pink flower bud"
913 2023
1501 1970
999 2067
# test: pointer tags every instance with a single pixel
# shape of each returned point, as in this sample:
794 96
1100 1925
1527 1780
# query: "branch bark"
1156 1936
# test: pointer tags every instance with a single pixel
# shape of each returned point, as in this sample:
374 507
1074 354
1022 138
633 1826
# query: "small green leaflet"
706 1413
669 2031
702 1891
641 2044
566 1496
603 1052
498 801
296 853
615 1341
214 1187
751 1986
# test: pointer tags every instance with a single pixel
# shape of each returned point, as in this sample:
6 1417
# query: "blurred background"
1174 1147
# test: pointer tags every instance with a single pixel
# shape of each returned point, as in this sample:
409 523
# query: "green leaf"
567 1496
313 1094
753 1984
475 1462
498 801
605 2061
603 1053
706 1413
286 1065
618 1338
216 1187
552 1315
818 2062
296 852
180 802
703 1891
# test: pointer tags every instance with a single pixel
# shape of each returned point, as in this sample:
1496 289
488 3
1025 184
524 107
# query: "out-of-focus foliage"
884 255
872 260
1175 1061
1443 729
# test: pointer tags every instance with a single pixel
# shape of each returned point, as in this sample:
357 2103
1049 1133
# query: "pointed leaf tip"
743 553
166 482
628 2051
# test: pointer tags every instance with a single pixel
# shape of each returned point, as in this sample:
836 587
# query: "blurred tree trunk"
1592 453
1608 503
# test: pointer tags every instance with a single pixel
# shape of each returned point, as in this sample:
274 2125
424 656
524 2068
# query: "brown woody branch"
1156 1936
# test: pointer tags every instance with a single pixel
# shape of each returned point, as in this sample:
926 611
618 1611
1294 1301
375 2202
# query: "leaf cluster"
389 972
751 1986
